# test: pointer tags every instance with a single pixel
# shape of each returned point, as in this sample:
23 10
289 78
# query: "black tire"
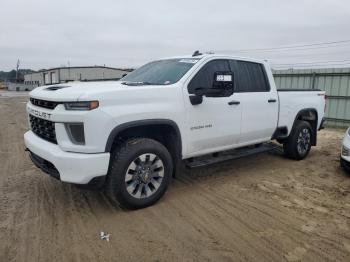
345 165
298 149
123 157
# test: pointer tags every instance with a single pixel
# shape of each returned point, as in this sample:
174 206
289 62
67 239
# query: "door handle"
233 102
272 100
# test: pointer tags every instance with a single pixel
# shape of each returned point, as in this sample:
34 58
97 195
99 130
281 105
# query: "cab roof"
213 55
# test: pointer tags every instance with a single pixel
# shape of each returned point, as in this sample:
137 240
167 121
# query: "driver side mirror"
222 86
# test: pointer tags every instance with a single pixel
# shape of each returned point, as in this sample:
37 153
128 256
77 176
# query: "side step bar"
232 154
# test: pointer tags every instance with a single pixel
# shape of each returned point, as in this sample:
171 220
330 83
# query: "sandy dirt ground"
260 208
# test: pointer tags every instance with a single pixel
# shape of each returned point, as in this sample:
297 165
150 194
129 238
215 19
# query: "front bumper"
77 168
44 165
345 157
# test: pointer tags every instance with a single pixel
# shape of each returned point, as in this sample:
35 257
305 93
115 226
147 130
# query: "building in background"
2 85
336 83
68 74
13 86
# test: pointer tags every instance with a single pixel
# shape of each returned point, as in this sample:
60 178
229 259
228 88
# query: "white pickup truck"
131 135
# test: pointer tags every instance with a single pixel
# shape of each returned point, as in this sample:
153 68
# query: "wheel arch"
165 131
309 115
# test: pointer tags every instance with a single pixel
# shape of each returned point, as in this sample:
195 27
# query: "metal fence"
336 83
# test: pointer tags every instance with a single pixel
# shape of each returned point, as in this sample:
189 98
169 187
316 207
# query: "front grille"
44 165
43 128
345 151
43 103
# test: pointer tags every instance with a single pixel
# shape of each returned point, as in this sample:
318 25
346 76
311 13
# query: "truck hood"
75 91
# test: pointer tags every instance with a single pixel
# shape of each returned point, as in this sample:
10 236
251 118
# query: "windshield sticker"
189 61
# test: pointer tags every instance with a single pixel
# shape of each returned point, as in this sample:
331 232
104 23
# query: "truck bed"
296 89
292 101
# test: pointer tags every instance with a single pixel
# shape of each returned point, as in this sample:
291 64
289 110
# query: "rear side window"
250 77
205 77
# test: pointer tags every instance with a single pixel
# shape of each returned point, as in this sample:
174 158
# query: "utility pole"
17 67
68 70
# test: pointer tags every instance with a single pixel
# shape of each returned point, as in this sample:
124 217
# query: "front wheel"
298 144
139 173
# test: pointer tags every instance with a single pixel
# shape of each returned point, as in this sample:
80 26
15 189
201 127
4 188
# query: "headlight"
88 105
345 151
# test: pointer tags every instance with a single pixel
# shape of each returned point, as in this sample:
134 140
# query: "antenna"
197 53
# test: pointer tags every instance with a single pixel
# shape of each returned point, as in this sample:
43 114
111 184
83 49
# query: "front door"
214 124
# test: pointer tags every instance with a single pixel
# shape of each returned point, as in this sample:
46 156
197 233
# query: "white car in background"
345 152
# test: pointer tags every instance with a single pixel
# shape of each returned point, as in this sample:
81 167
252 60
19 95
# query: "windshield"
162 72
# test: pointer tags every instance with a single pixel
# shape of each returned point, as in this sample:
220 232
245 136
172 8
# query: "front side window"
205 77
250 77
162 72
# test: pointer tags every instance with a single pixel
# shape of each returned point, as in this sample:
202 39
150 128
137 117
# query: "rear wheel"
140 172
298 144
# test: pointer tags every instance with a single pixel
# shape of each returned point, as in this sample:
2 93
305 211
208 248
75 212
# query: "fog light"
345 151
75 132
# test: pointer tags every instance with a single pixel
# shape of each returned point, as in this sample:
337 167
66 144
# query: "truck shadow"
255 167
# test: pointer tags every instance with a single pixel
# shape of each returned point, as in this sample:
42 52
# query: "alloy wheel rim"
144 175
303 142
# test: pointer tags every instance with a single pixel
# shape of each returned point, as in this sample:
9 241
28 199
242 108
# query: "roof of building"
77 67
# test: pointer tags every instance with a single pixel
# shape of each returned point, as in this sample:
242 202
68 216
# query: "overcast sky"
43 33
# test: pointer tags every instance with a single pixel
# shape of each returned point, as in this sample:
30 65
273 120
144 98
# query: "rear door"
215 123
258 101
